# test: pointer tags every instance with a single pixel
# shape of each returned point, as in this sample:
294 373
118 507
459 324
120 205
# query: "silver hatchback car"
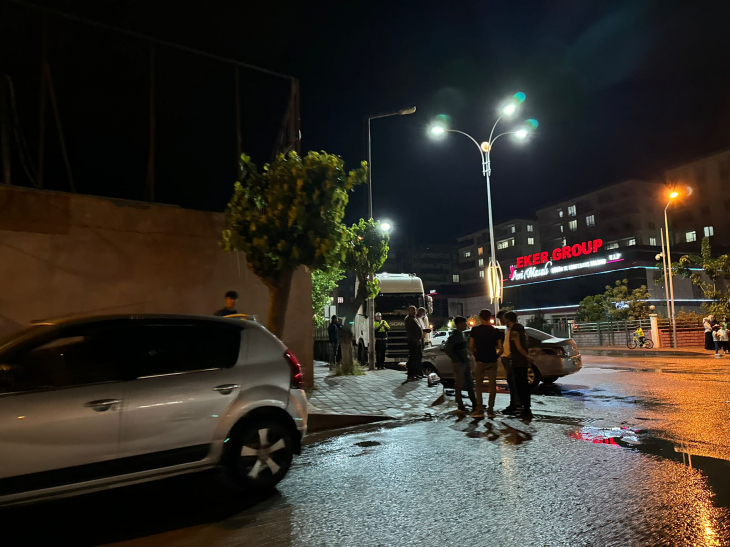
101 402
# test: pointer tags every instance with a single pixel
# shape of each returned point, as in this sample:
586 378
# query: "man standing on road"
506 359
381 340
230 308
486 347
333 331
458 351
520 361
414 336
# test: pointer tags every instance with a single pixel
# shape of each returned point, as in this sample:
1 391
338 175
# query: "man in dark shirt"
486 347
457 349
521 360
230 309
414 337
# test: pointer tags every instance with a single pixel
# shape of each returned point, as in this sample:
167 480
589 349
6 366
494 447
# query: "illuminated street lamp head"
509 109
673 195
521 134
386 226
438 130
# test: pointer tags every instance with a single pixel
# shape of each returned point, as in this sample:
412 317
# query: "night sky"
621 90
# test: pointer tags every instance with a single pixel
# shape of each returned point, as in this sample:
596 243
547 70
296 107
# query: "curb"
322 422
642 353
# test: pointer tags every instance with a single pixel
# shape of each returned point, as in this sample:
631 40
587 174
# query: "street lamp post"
666 277
672 196
494 271
371 302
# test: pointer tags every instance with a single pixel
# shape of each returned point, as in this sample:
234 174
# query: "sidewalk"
618 351
377 393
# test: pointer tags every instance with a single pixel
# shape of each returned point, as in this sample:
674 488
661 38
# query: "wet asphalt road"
626 452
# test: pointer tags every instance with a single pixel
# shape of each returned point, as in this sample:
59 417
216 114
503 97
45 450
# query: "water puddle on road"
716 470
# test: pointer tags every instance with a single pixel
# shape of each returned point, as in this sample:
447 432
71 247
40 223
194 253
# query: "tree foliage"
617 303
366 249
539 322
289 215
323 284
711 278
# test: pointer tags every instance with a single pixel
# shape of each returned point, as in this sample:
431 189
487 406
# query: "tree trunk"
278 303
346 335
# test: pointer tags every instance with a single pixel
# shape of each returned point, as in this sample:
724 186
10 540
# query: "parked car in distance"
554 358
100 402
439 336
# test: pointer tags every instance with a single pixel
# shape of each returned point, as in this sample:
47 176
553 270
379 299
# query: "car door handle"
225 389
102 404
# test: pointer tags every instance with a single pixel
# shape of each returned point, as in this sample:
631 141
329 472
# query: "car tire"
260 454
534 377
549 379
427 368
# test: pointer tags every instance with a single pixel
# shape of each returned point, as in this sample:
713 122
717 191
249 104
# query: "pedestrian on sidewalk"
230 307
716 340
724 337
521 360
414 337
486 347
422 319
708 323
506 360
458 351
381 340
333 331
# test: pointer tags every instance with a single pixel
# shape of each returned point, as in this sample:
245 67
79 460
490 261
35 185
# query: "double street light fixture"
494 275
384 226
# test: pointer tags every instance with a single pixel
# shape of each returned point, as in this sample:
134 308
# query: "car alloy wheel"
533 376
261 455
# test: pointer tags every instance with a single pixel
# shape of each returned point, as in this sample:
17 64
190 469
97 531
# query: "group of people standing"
480 357
717 336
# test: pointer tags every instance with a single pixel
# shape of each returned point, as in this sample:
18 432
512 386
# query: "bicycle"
635 343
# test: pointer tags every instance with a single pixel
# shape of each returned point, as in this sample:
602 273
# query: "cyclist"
639 333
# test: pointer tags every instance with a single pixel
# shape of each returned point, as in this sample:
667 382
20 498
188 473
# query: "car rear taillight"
297 376
559 351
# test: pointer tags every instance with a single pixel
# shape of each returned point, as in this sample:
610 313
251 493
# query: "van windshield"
390 303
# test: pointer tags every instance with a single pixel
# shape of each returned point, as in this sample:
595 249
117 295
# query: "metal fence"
609 333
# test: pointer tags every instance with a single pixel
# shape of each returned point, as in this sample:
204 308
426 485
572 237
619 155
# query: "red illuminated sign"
561 253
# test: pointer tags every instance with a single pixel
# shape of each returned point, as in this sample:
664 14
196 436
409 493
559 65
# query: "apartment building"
705 210
514 238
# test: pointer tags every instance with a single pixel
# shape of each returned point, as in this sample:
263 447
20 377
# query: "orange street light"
673 195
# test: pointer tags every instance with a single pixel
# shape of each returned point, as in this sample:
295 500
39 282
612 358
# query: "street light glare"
438 130
674 195
521 134
509 109
386 226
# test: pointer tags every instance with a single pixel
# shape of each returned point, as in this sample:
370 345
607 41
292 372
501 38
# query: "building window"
613 245
562 228
467 254
530 228
590 220
565 242
652 241
572 211
631 242
689 237
481 274
530 240
652 226
512 229
455 277
573 225
503 244
560 213
481 262
481 251
709 231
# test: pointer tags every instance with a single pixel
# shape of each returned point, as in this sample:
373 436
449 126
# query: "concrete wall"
63 255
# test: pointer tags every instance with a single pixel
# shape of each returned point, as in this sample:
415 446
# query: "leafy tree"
618 303
323 283
539 322
712 279
289 215
366 249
